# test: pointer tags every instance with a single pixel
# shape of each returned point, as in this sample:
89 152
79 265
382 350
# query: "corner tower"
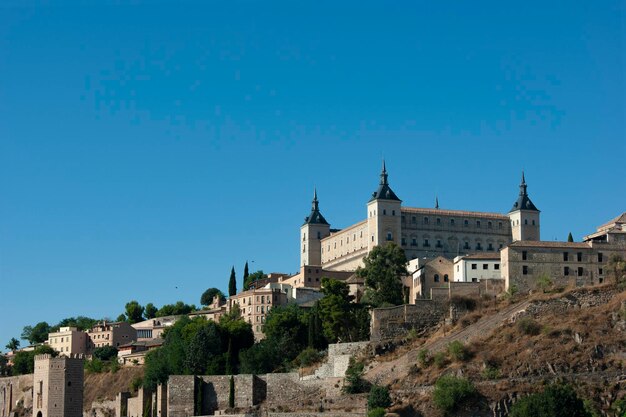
383 214
524 216
314 229
58 386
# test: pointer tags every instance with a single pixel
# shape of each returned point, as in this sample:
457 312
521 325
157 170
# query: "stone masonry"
58 386
392 322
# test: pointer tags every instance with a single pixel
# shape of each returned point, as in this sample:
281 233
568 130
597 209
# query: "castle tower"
314 229
383 214
524 216
58 386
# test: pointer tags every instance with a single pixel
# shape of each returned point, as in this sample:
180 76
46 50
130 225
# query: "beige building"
477 267
110 334
421 232
254 305
428 274
153 328
524 264
58 386
613 232
68 341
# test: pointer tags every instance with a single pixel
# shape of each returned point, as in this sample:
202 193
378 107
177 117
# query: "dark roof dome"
384 192
523 201
315 217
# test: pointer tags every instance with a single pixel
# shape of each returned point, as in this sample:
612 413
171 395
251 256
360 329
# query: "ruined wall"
15 390
216 392
180 395
338 359
391 322
287 392
469 289
103 408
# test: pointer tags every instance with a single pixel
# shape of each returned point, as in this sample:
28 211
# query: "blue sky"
146 147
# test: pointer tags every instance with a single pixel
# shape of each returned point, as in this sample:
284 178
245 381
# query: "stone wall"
469 289
14 390
287 391
392 322
338 359
181 395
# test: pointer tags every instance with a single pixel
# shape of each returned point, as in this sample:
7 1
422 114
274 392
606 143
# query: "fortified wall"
15 392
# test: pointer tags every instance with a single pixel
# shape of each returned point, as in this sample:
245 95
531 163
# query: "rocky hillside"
514 349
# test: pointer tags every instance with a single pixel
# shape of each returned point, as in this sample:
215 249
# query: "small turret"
524 216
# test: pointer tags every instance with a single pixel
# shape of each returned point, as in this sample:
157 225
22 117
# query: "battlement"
48 356
43 357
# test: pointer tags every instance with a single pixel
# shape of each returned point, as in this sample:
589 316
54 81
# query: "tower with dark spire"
524 216
313 230
383 214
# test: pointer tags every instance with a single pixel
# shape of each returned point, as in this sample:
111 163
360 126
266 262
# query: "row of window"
485 267
466 222
579 256
436 278
439 245
566 270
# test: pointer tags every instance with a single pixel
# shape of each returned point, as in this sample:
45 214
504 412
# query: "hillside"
578 336
105 386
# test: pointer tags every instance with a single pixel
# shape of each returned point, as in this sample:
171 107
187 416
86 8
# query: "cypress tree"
570 238
245 276
231 392
232 284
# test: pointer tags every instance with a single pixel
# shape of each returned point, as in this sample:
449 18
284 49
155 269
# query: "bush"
451 391
458 351
354 382
529 326
376 412
378 398
490 372
307 357
555 401
135 384
440 359
105 353
423 357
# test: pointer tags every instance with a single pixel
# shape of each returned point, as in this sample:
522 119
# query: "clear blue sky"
146 147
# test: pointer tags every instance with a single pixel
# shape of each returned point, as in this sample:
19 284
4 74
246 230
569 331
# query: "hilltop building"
68 341
110 334
421 232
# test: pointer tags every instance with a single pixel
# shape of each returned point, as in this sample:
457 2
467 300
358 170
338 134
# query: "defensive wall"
15 390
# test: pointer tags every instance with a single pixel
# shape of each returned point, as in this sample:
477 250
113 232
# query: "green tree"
354 382
570 238
134 312
4 368
231 390
150 311
13 344
80 322
252 278
177 309
378 397
341 318
121 317
24 361
232 283
451 391
383 270
203 348
36 334
208 296
104 353
555 401
246 273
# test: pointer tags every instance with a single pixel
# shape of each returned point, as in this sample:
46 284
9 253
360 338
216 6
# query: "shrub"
490 372
555 401
378 397
458 351
529 326
307 357
105 353
440 359
136 383
354 382
376 412
451 391
423 357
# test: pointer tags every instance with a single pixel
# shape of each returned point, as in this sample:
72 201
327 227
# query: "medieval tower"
314 229
524 216
58 386
383 214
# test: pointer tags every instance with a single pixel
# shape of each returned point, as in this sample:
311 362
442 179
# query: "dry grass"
105 386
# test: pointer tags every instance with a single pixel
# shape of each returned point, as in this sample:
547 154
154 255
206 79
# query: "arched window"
436 278
445 278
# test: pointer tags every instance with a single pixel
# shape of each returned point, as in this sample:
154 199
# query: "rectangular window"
439 245
489 225
499 225
425 220
403 241
466 223
524 255
566 271
393 212
451 222
389 237
600 271
579 256
524 269
426 244
478 246
599 256
496 266
490 247
413 220
438 221
565 256
477 223
485 266
413 242
474 266
580 271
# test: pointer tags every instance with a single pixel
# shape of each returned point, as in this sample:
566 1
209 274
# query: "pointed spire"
383 174
315 203
436 202
522 186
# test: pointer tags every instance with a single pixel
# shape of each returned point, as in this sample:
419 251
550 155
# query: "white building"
477 267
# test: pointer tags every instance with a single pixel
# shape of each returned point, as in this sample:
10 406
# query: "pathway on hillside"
384 373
